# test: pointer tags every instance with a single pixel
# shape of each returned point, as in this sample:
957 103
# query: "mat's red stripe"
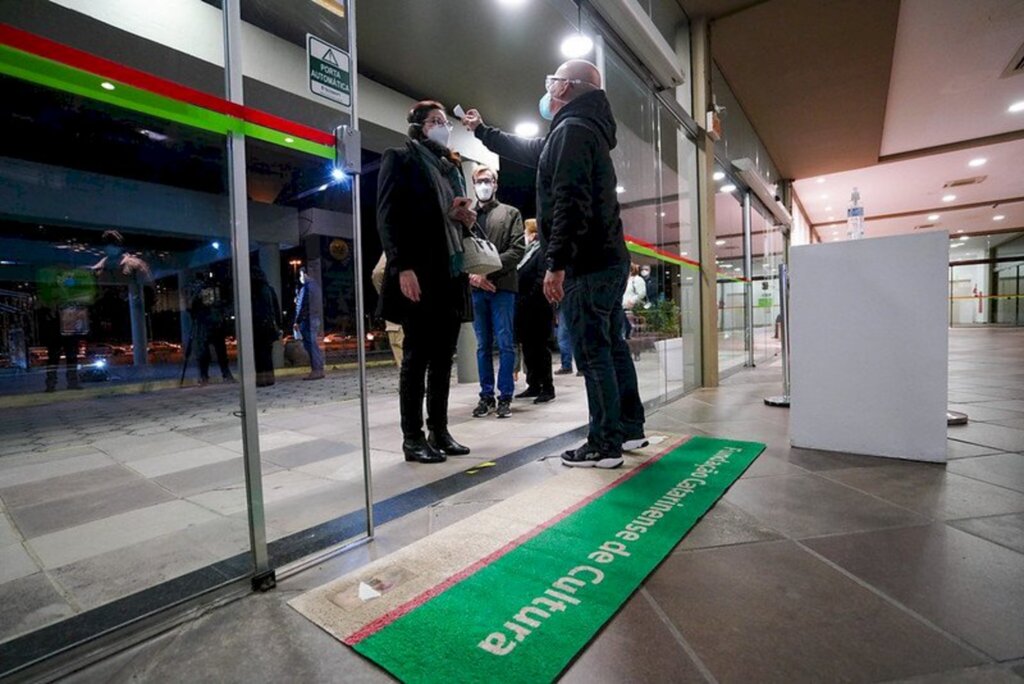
389 617
58 52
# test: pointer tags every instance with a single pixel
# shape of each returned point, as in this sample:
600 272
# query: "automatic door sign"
328 71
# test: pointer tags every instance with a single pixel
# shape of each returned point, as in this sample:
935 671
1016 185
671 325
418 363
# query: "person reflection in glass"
307 323
65 295
211 325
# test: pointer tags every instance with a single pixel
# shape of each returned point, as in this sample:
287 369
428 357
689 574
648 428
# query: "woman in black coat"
422 211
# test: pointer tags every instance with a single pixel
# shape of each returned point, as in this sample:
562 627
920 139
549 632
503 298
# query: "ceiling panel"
947 83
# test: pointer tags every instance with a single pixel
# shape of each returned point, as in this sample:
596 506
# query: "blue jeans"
564 339
593 310
493 313
308 328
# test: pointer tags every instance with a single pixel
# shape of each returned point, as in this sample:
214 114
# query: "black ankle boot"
419 450
446 444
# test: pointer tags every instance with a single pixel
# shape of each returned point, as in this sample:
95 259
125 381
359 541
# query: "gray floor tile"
988 674
995 436
30 603
1005 470
957 449
205 478
725 525
771 612
931 490
1007 530
635 646
302 454
51 516
966 585
807 506
109 576
15 563
817 460
63 487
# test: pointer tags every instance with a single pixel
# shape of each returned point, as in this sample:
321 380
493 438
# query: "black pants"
593 309
211 336
533 328
68 344
430 341
263 353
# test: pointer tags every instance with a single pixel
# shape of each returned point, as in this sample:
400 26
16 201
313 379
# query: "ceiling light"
964 237
289 140
662 214
577 45
1016 107
821 180
619 189
512 3
718 175
337 174
527 129
956 244
689 277
831 218
933 217
824 197
828 208
215 245
728 188
684 254
719 242
107 85
980 161
960 231
998 217
948 198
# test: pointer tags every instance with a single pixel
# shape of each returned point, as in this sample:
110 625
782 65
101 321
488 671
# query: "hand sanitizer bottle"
855 217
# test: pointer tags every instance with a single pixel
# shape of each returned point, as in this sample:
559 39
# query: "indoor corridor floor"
814 567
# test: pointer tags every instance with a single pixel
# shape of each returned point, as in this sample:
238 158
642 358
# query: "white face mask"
440 135
484 191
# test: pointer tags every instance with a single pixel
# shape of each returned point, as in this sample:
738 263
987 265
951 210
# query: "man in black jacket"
587 261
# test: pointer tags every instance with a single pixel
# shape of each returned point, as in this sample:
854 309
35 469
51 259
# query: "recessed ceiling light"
719 242
960 231
689 277
527 129
107 85
289 140
619 189
933 217
577 45
980 161
512 3
1016 107
964 237
948 198
728 188
998 217
684 254
662 214
821 180
718 175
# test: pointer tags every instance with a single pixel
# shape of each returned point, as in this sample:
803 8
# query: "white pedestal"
870 347
670 353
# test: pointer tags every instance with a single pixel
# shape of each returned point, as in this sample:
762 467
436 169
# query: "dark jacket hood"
593 107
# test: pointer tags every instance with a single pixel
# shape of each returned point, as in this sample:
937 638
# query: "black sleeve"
393 204
572 150
525 151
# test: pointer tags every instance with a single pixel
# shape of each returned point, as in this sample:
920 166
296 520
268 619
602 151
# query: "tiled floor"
815 566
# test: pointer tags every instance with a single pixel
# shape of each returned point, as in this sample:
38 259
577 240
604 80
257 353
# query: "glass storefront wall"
768 247
732 292
985 280
118 275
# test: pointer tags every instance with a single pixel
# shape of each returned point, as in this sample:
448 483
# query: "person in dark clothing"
266 324
494 295
65 295
534 321
585 250
307 323
422 215
210 326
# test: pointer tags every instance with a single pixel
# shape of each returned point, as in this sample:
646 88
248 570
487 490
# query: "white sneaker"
634 444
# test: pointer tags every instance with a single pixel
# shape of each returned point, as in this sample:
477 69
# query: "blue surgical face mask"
545 107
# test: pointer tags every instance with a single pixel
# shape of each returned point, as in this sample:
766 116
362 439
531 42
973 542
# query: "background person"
266 324
534 320
422 216
634 297
394 331
494 295
307 323
210 327
585 249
